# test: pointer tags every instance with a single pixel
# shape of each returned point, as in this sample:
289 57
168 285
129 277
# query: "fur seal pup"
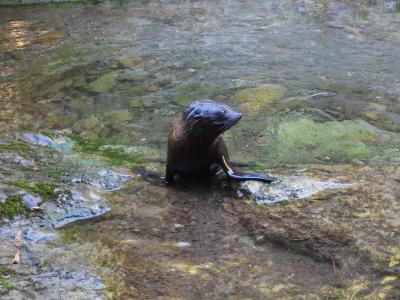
196 147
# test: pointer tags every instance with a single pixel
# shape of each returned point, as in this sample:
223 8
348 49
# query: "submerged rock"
254 100
182 244
104 83
117 117
265 93
304 140
131 62
187 92
91 122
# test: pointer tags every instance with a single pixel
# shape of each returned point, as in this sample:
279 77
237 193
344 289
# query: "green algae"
255 100
117 117
116 156
63 68
43 189
13 206
280 291
136 102
137 90
104 83
265 93
91 122
130 62
6 272
7 284
20 148
186 93
302 140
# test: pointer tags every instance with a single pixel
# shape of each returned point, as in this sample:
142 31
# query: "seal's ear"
191 114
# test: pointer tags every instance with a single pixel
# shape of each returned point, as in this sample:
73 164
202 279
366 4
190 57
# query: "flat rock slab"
291 188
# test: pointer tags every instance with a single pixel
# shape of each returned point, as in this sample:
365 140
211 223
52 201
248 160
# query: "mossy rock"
63 68
41 188
7 284
136 102
130 62
116 154
137 90
302 140
264 93
89 135
186 93
80 105
118 117
254 100
104 83
141 102
91 122
13 206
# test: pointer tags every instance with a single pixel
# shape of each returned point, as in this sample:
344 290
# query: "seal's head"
208 118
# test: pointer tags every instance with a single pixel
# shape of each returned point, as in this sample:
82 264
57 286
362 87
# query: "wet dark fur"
196 147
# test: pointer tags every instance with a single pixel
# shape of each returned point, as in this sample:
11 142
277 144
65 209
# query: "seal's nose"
238 116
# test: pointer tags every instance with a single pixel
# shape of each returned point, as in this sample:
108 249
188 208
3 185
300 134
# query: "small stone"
187 92
37 139
265 93
60 140
31 201
76 180
260 239
178 226
182 244
3 197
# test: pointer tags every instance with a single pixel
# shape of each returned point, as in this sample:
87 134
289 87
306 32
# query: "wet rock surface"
47 269
286 189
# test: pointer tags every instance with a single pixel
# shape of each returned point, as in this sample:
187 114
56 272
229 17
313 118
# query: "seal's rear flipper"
151 177
240 176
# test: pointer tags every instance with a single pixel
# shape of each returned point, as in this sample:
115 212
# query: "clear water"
346 50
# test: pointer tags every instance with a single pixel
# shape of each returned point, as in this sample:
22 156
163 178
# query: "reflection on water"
20 34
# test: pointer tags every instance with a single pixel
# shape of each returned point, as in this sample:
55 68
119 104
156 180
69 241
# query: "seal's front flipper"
234 174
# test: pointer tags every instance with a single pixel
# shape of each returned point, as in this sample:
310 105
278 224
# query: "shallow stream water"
318 83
